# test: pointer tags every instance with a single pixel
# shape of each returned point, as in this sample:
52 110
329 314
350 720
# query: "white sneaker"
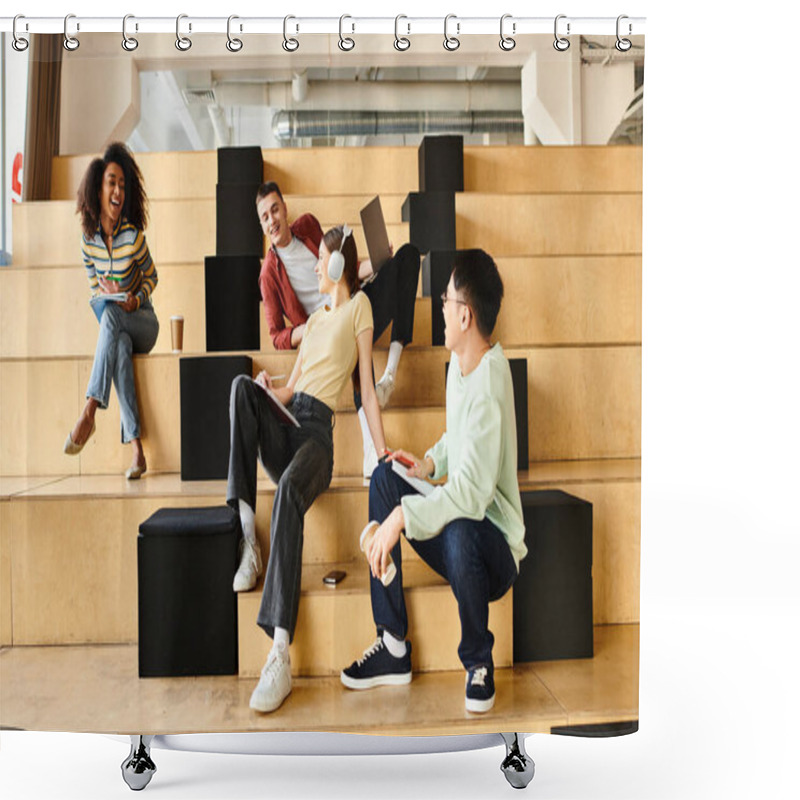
249 566
275 682
370 459
384 388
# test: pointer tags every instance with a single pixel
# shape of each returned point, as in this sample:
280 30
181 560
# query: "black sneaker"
480 689
378 667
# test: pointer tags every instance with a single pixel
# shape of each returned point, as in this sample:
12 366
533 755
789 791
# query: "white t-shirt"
300 262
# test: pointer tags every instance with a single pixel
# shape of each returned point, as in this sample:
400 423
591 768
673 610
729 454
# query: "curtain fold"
42 128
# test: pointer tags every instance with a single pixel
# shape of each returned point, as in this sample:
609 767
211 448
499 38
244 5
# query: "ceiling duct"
299 124
199 97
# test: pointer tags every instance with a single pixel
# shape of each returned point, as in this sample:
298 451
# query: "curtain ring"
400 42
129 43
289 44
183 43
450 43
19 43
561 44
345 42
233 44
507 43
623 45
70 42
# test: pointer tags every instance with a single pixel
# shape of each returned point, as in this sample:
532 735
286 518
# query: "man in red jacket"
290 291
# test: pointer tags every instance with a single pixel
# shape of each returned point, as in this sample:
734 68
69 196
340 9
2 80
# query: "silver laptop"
375 233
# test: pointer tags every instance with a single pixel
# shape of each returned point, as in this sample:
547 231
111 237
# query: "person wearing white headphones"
290 292
338 336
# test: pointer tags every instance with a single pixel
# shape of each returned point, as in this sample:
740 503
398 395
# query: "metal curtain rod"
458 26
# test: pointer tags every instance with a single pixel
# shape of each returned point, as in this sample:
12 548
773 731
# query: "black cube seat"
553 592
187 558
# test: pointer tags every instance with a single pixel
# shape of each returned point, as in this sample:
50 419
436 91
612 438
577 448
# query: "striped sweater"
129 264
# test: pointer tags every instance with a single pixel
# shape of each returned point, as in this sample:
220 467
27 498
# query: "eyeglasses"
446 300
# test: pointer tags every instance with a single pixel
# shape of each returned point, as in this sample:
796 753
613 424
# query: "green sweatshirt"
478 453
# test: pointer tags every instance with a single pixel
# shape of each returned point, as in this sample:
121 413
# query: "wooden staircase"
564 225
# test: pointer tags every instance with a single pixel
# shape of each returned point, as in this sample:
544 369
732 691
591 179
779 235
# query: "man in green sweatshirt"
470 529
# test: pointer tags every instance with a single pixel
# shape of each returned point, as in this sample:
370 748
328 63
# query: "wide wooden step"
547 301
384 170
334 624
181 231
99 691
67 541
583 403
184 230
555 224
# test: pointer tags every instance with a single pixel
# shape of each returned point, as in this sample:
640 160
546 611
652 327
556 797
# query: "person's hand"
383 542
391 249
298 332
129 304
107 286
419 469
264 380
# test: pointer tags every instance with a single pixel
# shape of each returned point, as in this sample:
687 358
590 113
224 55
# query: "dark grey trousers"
300 463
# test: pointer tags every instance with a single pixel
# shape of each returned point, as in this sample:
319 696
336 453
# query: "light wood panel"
181 231
334 626
511 168
385 170
45 312
166 175
73 564
80 510
5 574
587 688
557 224
548 301
40 403
100 692
583 403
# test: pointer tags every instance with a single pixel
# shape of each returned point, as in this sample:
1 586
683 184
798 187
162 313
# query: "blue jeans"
471 555
122 334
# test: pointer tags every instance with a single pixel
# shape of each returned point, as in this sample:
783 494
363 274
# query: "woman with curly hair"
113 208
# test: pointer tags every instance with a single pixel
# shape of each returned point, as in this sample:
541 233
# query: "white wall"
13 101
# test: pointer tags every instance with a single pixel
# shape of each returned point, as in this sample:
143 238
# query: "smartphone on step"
334 576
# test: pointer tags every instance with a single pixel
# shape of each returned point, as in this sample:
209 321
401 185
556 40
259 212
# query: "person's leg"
137 332
474 557
393 296
255 433
307 475
388 660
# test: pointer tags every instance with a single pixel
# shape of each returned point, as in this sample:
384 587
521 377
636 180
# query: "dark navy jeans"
471 555
300 463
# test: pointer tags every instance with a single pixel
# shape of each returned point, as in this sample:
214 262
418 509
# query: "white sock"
366 436
397 647
395 351
248 519
281 639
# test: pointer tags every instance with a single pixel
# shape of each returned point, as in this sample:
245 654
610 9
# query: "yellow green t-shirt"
329 353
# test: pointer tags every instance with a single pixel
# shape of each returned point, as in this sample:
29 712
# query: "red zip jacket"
279 298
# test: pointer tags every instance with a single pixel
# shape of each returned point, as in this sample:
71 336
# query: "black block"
187 558
232 303
238 230
441 164
519 380
240 165
205 414
553 592
432 220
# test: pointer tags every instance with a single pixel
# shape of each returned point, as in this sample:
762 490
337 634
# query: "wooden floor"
97 689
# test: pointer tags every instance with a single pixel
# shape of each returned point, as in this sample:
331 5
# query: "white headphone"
336 261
